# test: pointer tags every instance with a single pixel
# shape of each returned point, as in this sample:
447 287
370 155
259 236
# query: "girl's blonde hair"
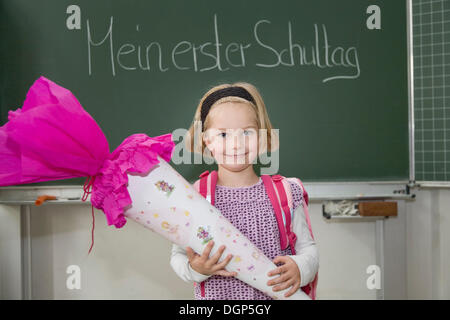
262 119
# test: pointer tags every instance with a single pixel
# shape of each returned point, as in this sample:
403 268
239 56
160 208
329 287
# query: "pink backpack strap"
207 185
203 184
311 287
280 193
281 188
289 209
272 192
212 186
305 206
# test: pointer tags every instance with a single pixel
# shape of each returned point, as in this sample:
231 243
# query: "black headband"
219 94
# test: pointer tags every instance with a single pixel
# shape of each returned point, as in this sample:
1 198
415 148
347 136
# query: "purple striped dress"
249 209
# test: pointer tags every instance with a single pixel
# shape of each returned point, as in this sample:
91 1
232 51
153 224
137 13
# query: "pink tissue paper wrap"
51 137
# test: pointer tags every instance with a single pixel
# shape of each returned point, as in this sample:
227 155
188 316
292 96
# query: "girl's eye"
222 134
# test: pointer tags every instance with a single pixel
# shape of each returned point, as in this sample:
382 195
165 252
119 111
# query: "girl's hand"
208 266
289 275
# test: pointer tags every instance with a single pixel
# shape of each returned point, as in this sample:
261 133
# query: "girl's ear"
262 144
208 147
208 142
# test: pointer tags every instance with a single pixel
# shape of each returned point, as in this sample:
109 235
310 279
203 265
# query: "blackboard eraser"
378 208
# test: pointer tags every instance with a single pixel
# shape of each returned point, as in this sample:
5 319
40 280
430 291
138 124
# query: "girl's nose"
239 143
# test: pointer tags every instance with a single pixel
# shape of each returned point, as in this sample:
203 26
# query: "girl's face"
232 136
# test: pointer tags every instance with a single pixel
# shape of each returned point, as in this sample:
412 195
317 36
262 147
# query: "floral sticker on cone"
204 234
165 187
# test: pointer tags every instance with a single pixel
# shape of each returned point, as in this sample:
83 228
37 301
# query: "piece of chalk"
41 199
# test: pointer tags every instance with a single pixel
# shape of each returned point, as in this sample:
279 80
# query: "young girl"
231 117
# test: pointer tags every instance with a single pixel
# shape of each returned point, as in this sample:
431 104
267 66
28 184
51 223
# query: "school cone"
164 202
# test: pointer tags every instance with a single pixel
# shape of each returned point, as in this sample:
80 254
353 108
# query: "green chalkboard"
336 89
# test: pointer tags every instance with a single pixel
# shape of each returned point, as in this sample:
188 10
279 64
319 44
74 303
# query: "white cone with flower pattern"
164 202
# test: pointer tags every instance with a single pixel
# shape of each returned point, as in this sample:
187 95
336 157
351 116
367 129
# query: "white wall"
10 248
127 263
428 244
133 263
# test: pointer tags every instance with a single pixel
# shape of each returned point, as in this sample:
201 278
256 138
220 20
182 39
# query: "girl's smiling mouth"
236 155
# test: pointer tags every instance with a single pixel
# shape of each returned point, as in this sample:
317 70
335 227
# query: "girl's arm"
307 255
180 264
